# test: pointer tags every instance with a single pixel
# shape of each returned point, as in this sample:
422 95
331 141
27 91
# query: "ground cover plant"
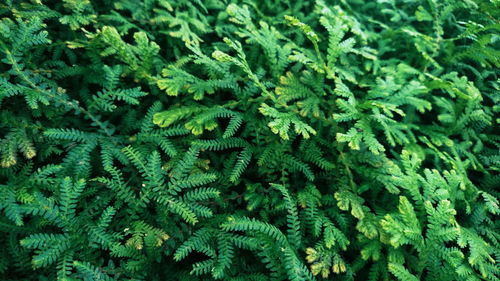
249 140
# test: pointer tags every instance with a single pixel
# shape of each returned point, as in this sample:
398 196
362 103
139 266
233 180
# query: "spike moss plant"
249 140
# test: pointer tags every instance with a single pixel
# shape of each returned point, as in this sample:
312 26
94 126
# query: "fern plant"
249 140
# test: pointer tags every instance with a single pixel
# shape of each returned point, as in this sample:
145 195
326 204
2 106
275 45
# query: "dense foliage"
249 140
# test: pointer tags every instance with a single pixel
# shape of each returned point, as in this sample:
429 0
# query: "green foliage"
249 140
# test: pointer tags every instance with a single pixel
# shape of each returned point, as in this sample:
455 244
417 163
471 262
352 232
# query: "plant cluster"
249 140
